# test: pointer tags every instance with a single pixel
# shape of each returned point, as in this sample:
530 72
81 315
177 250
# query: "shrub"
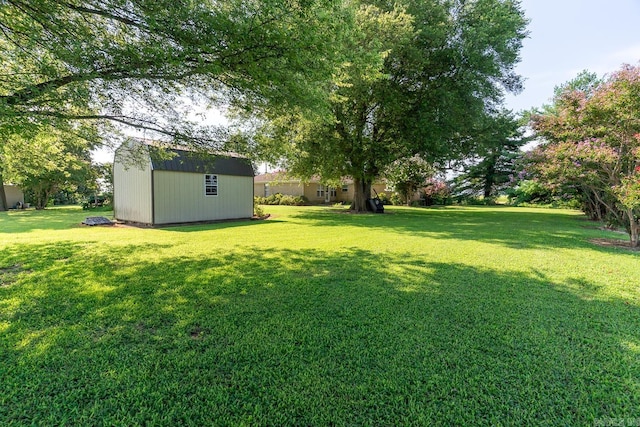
396 199
289 200
436 192
101 200
472 201
530 191
274 199
384 198
281 199
257 209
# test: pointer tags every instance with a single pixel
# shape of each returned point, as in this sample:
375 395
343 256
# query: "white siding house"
186 187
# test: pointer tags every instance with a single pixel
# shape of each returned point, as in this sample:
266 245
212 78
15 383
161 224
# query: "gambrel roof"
198 162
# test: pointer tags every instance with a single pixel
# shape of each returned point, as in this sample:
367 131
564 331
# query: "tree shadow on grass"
63 218
68 217
307 337
217 225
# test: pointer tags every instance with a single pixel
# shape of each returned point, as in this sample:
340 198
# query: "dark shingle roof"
187 161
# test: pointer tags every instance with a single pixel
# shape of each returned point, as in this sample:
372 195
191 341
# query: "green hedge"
282 199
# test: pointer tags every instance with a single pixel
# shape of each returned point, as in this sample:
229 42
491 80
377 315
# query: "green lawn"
447 316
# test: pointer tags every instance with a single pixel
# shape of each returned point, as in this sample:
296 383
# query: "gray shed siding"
179 197
160 190
132 187
14 195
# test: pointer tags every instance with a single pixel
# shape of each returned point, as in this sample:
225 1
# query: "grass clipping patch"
8 275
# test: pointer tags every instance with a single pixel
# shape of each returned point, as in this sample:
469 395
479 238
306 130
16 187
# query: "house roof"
282 177
197 162
278 176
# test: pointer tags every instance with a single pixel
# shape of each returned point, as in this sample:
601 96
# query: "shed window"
210 185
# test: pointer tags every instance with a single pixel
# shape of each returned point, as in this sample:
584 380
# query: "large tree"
51 161
592 147
125 59
141 63
493 161
418 79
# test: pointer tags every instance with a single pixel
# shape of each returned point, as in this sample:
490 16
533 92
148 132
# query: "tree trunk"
39 197
3 196
42 196
362 192
634 236
634 229
489 178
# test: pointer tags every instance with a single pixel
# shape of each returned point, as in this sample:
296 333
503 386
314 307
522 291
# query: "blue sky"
568 36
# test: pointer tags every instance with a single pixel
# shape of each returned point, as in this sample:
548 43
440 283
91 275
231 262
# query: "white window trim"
208 185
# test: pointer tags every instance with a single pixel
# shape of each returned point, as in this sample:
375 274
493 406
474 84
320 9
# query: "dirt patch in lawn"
614 243
8 275
352 212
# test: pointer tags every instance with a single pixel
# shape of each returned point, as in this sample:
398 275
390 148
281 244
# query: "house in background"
278 182
14 195
183 187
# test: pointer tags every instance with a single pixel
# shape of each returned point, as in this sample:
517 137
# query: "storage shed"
14 194
179 186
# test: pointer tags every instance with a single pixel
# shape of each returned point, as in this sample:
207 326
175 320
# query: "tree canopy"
133 62
143 64
51 161
342 88
493 161
592 149
407 175
418 79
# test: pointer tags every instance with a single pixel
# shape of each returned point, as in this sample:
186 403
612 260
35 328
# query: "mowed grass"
446 316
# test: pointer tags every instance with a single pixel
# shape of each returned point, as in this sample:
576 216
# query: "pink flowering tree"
407 175
592 148
436 192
